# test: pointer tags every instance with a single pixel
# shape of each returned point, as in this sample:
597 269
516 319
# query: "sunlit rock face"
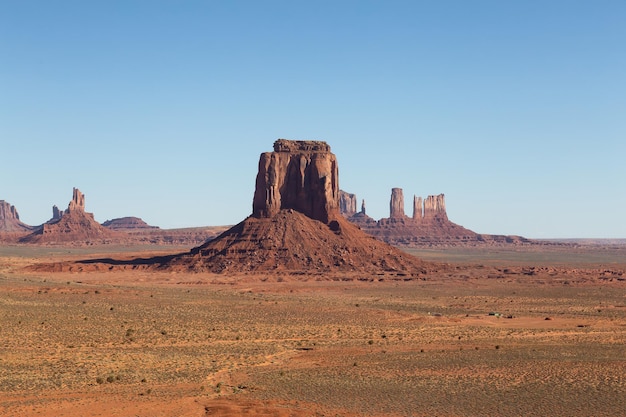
298 175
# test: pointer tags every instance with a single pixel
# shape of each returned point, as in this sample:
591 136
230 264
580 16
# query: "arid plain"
498 332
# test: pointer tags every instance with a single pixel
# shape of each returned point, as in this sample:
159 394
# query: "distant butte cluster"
74 226
428 226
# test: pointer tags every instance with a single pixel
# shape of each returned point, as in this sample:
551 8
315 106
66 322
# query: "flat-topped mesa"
77 203
298 175
396 205
435 207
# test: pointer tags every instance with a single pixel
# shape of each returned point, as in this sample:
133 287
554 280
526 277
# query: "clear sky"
515 110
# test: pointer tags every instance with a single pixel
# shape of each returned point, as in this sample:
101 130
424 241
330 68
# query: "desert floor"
494 333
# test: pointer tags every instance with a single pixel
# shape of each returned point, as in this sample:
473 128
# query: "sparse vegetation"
306 343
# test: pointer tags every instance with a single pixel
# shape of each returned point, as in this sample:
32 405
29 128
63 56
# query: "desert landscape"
468 340
298 311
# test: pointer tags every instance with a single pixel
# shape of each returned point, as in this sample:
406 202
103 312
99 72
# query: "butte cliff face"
10 219
298 175
72 225
296 226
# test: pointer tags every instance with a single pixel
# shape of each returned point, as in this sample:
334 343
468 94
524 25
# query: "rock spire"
418 208
77 203
396 205
73 225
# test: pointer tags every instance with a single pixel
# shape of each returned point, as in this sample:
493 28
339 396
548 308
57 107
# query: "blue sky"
515 110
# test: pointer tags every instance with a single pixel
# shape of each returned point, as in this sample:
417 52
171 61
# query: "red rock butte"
299 175
295 225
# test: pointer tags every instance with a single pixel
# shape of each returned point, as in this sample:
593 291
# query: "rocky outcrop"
74 225
298 175
396 204
10 219
296 226
347 203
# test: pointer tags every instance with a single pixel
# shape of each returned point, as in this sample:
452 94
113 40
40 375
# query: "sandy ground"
475 339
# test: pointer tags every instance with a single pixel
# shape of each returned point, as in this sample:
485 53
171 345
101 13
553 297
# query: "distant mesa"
296 224
128 224
10 219
71 225
428 225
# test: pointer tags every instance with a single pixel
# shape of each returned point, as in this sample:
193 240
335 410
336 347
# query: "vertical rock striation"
435 207
298 175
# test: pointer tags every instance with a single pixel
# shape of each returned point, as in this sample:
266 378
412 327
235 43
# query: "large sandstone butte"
296 225
71 225
299 175
10 219
428 226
